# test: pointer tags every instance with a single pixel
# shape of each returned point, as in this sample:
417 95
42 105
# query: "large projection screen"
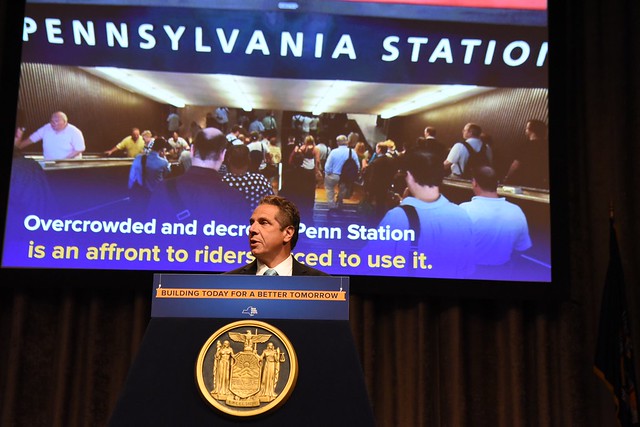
384 70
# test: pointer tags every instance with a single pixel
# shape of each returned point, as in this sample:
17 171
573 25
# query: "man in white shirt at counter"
499 227
60 139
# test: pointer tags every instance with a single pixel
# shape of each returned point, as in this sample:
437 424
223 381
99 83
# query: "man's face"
527 130
465 132
58 122
266 239
135 134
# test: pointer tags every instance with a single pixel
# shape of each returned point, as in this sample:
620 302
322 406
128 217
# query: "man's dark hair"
209 144
238 157
423 165
430 130
538 127
159 143
288 214
475 130
486 178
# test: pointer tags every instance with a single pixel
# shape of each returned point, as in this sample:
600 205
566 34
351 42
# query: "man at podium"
272 236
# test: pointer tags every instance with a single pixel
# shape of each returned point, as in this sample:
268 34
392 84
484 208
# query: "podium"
161 387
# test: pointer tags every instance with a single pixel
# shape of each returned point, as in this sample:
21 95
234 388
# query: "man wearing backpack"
442 229
460 156
335 175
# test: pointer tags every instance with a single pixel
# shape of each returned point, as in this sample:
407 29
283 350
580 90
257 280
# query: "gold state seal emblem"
247 368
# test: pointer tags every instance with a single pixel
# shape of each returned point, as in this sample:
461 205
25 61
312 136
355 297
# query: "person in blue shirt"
500 228
147 171
443 245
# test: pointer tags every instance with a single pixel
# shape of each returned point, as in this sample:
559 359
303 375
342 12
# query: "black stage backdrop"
65 347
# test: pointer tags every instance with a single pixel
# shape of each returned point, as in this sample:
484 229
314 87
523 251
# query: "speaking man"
273 234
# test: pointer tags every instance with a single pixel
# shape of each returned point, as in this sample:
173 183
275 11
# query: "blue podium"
312 312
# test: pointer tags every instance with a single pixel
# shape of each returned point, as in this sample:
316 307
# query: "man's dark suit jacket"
299 269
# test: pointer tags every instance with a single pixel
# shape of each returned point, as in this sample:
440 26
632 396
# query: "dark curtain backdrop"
65 347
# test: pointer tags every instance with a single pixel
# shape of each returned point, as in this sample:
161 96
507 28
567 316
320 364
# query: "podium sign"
299 368
250 297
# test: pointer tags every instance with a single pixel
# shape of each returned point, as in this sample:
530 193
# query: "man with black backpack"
471 153
341 169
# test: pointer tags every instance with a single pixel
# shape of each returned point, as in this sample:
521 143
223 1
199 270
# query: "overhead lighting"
331 96
427 99
128 79
288 5
239 92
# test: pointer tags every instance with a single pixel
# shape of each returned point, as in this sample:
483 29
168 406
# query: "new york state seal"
247 368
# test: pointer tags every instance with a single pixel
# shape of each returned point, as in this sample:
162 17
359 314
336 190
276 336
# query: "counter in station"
513 193
93 184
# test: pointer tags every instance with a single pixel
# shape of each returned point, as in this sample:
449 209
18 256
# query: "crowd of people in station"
318 158
477 238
